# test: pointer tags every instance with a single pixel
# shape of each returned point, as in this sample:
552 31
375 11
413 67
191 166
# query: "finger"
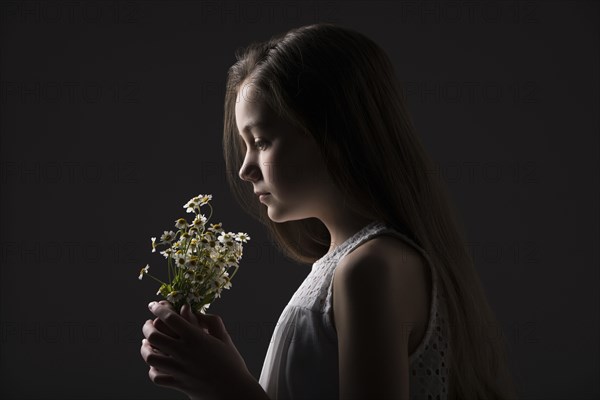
187 313
215 325
192 317
162 342
161 379
159 361
156 350
161 326
169 316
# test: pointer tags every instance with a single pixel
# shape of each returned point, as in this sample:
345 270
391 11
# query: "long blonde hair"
340 87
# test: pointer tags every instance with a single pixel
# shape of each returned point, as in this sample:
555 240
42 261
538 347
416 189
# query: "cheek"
301 177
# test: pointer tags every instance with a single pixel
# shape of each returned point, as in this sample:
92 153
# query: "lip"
259 193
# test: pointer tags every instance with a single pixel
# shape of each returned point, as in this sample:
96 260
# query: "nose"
249 172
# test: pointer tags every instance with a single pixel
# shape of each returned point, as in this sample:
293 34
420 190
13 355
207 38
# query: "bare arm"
249 390
373 313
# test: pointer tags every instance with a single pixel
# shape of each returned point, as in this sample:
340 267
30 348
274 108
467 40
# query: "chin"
280 216
276 217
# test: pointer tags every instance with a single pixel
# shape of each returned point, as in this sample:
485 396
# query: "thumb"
167 303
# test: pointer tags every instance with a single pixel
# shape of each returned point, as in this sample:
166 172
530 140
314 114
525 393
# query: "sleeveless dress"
302 359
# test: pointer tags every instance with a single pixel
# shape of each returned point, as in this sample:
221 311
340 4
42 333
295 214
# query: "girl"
393 307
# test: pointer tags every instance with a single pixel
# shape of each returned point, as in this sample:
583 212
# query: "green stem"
234 272
156 279
211 211
214 270
169 267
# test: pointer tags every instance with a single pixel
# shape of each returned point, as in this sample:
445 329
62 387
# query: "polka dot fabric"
301 361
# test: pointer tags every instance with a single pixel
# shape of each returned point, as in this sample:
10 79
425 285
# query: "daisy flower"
167 237
225 238
242 237
180 260
199 221
192 263
216 227
192 205
204 308
198 258
194 297
167 252
174 296
181 223
204 199
144 271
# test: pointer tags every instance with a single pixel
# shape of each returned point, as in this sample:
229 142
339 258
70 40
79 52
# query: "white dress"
302 358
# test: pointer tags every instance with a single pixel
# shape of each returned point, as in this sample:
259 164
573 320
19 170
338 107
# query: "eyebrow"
254 124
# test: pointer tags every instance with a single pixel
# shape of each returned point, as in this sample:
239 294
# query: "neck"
342 229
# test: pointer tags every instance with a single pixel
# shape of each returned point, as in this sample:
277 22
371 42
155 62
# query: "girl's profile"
329 161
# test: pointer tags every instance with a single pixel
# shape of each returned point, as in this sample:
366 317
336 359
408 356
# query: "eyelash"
260 141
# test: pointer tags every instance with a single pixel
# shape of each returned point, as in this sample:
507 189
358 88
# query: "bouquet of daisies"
199 259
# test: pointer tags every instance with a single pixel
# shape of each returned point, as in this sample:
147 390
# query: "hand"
193 353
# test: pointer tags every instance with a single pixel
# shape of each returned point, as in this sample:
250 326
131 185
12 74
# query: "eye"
260 144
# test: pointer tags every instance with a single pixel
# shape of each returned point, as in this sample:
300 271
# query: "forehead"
251 109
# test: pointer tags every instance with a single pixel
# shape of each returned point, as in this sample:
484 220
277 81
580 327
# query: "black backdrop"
111 119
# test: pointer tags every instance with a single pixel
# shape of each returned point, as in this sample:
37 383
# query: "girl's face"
281 161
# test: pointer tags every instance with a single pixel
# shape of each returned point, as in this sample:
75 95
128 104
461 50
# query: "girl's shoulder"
383 255
406 273
390 248
396 258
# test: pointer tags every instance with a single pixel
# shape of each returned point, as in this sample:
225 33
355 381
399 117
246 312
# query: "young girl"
393 307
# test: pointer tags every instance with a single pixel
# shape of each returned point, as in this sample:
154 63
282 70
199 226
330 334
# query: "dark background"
112 116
